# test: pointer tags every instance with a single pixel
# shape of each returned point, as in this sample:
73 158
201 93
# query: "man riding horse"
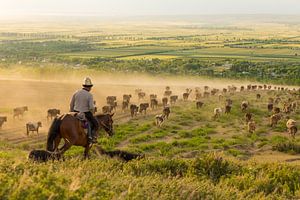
82 102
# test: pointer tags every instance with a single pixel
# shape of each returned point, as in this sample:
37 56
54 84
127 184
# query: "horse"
70 128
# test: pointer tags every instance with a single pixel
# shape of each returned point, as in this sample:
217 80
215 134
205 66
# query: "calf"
2 120
30 126
134 110
19 111
143 107
52 113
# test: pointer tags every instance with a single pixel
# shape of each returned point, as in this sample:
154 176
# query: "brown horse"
69 128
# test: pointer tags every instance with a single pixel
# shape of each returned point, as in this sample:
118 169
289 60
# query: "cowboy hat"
87 82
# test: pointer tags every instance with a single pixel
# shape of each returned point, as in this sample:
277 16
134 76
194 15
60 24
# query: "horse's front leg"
66 146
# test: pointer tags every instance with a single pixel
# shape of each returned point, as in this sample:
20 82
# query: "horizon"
131 8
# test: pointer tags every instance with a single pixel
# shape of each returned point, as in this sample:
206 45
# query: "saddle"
81 117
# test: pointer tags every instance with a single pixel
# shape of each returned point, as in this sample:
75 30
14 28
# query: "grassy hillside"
192 156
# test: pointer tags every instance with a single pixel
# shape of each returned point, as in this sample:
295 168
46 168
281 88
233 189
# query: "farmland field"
195 154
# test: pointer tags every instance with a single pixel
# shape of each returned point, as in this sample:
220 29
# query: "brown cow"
167 93
141 95
248 117
134 110
251 126
166 112
143 107
2 120
127 97
258 96
52 113
244 105
125 105
227 109
165 101
107 109
186 94
292 128
153 103
276 110
274 119
270 107
19 111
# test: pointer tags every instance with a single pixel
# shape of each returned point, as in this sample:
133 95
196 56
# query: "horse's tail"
53 133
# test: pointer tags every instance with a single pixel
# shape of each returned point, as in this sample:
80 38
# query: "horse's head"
106 122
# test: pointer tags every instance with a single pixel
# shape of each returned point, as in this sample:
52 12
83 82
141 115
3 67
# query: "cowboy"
82 102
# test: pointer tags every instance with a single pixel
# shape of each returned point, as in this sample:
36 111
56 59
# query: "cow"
143 108
199 104
133 110
258 96
107 109
248 117
125 105
251 126
274 119
52 113
227 109
141 95
159 119
153 96
127 97
173 99
242 88
244 105
198 96
217 112
186 94
167 93
166 112
31 126
165 101
276 110
2 120
19 111
270 107
110 99
206 94
292 128
153 103
228 102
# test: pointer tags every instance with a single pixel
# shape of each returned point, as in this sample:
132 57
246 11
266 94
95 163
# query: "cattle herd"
286 98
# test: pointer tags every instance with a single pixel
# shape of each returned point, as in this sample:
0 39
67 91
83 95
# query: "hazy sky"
148 7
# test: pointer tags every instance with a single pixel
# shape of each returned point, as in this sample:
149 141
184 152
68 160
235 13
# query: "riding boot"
90 135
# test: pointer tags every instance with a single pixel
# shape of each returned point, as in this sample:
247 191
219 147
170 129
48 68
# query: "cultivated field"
194 154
